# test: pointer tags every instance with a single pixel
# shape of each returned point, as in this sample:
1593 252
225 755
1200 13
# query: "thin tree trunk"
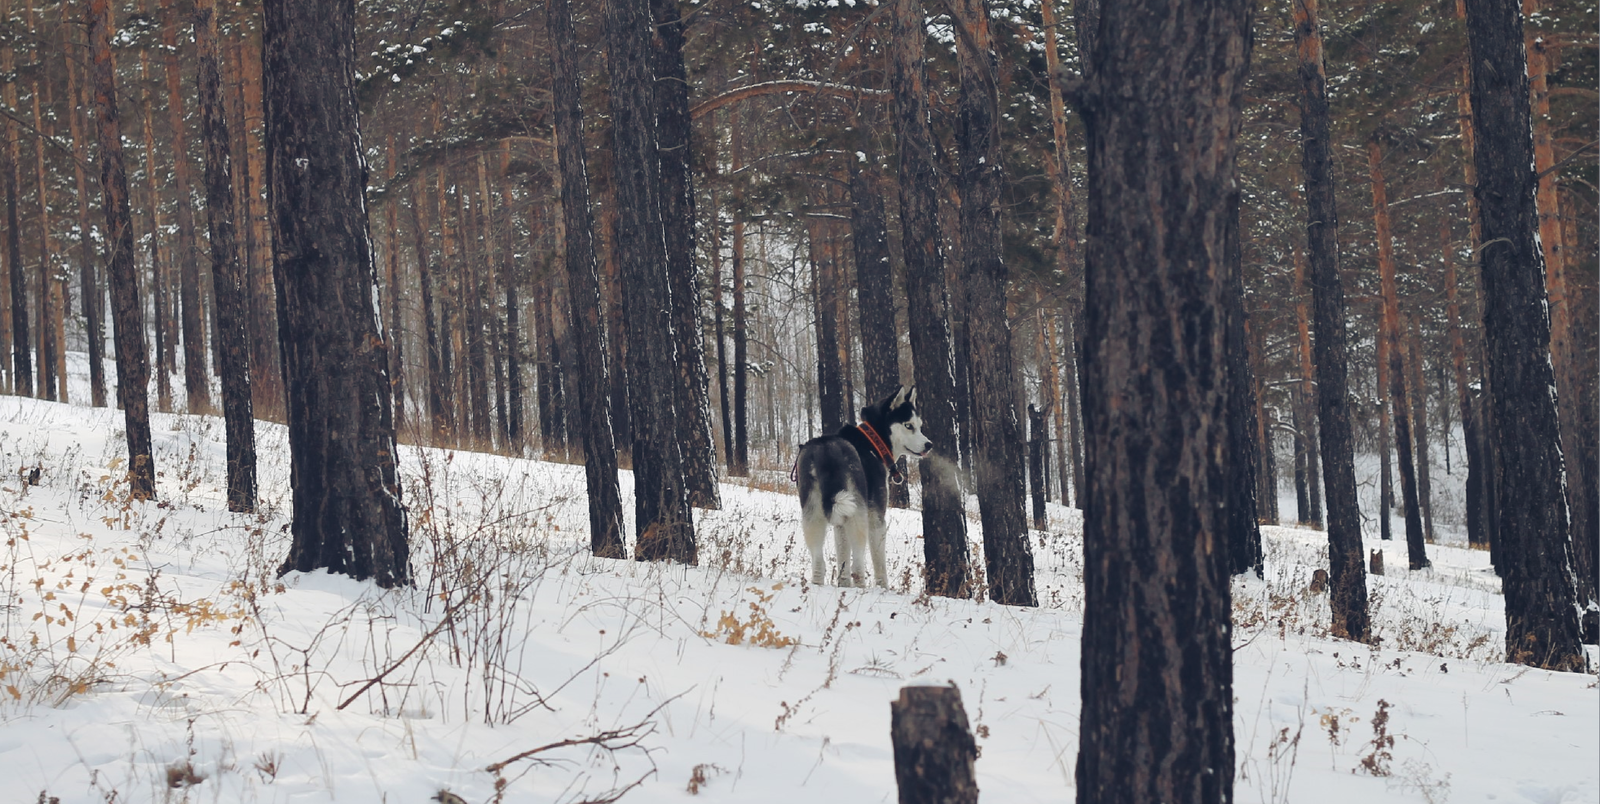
46 296
158 277
1535 555
396 339
233 333
511 275
348 516
1242 444
944 525
739 462
1161 107
1347 582
664 520
266 381
1389 336
1305 401
479 304
133 372
195 382
88 271
832 403
437 418
1419 422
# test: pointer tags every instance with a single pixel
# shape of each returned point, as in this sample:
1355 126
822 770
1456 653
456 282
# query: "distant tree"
197 386
1347 577
232 332
347 512
89 294
1243 524
1161 105
20 341
127 316
594 405
944 526
1536 549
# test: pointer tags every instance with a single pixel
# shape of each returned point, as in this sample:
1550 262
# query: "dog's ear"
912 399
895 401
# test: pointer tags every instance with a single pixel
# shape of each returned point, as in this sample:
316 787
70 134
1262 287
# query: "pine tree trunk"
45 296
674 148
393 330
1535 565
437 421
1419 420
664 519
1000 457
88 271
196 385
588 325
739 462
1037 481
21 342
1393 358
479 304
347 512
1306 396
944 524
616 337
1243 448
266 367
233 335
831 401
127 318
1347 582
934 751
511 275
1161 107
158 278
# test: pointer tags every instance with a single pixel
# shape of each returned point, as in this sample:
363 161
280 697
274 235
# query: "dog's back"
831 477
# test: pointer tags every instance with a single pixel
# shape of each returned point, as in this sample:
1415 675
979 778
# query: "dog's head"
896 420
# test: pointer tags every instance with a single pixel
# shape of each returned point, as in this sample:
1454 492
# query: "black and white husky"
844 483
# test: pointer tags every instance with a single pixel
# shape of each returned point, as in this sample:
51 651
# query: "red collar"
883 452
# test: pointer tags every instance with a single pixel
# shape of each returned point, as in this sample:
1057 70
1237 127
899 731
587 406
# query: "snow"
149 644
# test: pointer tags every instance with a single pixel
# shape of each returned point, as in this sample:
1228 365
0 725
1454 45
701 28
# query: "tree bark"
1161 106
1000 466
88 270
391 256
47 301
511 274
1419 425
21 342
347 512
197 386
1392 360
1535 566
944 525
675 148
158 273
233 325
1243 448
588 325
437 420
664 520
934 752
1037 481
133 372
739 460
1347 582
1310 513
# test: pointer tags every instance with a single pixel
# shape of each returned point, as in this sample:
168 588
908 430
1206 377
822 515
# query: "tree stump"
1376 562
934 751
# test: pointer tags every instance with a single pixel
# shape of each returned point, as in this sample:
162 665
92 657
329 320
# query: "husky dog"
843 483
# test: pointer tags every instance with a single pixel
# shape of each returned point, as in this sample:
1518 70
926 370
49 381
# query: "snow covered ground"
149 653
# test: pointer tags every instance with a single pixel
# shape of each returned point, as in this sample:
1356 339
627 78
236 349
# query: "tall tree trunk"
233 332
674 147
437 418
21 342
196 385
616 336
1306 395
479 303
158 272
1385 434
511 274
1161 108
391 220
347 512
47 296
997 432
1242 447
739 460
127 318
588 325
266 367
833 405
1535 566
88 271
1389 336
664 519
1347 578
944 525
1419 425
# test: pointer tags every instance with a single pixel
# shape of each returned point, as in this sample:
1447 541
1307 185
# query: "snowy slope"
150 653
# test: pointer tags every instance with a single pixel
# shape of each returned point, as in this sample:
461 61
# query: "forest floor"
150 652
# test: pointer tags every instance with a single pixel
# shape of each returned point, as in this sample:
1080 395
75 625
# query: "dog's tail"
846 504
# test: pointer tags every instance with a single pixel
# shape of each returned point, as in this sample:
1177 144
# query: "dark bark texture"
233 325
944 526
127 316
934 751
588 331
347 512
197 388
1347 581
666 529
1161 110
1244 451
1535 546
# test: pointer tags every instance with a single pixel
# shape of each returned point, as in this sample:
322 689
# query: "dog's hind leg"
815 527
853 543
877 535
